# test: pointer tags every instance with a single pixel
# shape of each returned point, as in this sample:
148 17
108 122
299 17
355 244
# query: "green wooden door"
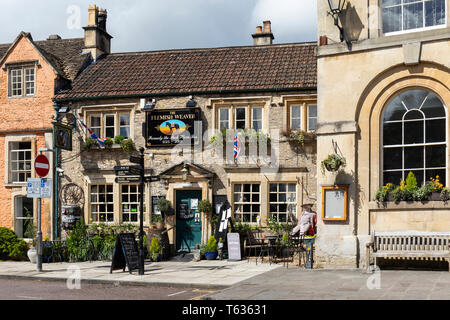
189 225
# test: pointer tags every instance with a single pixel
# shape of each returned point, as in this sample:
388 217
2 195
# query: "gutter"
181 93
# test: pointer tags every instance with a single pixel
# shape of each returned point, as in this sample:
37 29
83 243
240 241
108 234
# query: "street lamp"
336 7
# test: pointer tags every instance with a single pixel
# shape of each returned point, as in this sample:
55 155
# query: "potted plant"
127 145
31 232
109 142
155 250
158 221
205 206
333 163
210 249
163 205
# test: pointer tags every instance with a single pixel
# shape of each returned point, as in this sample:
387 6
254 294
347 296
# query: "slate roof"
65 55
290 66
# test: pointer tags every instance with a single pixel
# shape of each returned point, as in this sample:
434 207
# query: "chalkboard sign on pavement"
234 246
125 253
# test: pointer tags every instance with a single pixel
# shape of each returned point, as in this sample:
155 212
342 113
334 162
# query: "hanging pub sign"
170 127
63 136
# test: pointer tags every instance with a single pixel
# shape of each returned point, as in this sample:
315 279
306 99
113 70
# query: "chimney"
263 35
96 40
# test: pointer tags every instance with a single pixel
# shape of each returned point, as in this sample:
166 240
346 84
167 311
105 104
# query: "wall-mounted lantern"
336 7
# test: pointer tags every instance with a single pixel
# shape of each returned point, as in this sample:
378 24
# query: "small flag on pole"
93 135
236 147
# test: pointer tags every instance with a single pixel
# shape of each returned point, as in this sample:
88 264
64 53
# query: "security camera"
59 170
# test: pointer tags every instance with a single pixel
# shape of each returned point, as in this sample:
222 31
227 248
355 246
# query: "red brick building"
31 72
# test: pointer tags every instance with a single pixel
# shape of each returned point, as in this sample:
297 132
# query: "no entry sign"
41 165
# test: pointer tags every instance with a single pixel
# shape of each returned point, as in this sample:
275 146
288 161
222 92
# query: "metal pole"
141 214
39 238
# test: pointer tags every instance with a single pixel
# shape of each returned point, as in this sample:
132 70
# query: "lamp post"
336 7
55 165
141 213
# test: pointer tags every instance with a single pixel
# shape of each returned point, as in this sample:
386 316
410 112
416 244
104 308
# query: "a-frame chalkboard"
125 253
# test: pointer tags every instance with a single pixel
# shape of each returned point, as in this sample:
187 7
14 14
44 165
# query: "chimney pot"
263 35
54 37
258 29
267 26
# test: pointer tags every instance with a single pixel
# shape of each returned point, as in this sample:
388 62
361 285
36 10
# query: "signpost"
40 188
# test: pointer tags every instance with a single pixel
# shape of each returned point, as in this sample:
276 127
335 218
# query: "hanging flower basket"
333 163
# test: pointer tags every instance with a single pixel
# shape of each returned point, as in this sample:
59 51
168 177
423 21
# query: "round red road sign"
41 165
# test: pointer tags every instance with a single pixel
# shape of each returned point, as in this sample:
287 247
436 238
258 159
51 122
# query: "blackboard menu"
125 253
234 246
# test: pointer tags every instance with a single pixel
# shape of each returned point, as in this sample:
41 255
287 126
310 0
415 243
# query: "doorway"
188 220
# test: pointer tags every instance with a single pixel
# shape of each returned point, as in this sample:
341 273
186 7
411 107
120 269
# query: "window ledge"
408 205
12 185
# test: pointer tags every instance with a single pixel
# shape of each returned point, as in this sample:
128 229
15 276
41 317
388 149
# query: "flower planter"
31 253
435 196
158 258
211 255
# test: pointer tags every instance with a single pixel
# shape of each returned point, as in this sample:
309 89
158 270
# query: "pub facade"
229 124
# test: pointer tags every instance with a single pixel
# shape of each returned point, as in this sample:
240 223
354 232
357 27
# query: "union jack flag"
236 146
93 135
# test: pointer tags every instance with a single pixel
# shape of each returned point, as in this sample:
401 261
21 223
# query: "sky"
144 25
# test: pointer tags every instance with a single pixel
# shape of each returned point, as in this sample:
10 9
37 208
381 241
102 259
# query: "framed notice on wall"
334 203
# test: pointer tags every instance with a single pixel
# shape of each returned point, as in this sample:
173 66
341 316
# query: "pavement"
179 271
244 280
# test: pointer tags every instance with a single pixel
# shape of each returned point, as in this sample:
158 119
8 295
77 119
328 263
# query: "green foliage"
163 205
11 247
156 218
77 243
243 228
205 206
422 193
127 145
214 221
155 248
445 194
211 246
109 142
118 139
278 228
217 139
333 163
411 182
89 143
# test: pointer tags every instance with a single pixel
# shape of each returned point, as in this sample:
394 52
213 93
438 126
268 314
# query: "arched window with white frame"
414 137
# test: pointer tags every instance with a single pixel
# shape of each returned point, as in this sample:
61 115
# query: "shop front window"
414 137
283 201
247 206
102 203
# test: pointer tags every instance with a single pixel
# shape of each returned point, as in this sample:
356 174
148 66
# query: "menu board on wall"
334 202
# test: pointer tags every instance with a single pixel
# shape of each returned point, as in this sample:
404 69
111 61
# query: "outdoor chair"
294 246
252 242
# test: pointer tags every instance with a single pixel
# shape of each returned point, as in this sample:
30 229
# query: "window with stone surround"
416 15
247 202
110 124
240 116
21 82
129 205
415 137
283 201
302 116
102 202
19 161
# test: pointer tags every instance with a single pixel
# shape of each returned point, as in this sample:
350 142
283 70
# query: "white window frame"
288 203
300 119
102 128
11 163
241 202
124 126
393 33
246 115
220 120
404 145
253 108
97 203
129 203
309 117
22 80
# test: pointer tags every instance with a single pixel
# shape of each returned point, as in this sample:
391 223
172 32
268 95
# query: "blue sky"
142 25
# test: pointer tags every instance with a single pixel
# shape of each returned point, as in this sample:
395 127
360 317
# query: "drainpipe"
56 180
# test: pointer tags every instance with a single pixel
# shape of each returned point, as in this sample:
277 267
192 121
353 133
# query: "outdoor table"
269 249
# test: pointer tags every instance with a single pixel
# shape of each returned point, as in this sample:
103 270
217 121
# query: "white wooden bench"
408 244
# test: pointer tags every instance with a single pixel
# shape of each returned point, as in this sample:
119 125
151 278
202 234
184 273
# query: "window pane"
124 132
413 132
392 177
109 120
435 130
392 133
296 112
433 107
435 156
434 12
312 122
392 19
413 16
386 3
394 110
124 119
413 99
434 173
95 121
419 176
392 158
414 157
296 124
414 115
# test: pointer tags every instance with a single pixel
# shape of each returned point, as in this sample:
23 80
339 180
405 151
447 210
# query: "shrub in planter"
127 145
11 247
109 142
155 249
89 143
210 250
118 139
205 206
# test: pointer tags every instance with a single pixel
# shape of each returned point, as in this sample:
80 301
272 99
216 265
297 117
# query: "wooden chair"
252 243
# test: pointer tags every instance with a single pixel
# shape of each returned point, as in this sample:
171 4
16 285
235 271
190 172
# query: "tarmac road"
24 289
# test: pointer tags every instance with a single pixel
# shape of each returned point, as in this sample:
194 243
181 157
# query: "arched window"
414 137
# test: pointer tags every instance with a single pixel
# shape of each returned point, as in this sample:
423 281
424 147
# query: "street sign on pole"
152 178
135 159
128 170
128 179
41 165
33 187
